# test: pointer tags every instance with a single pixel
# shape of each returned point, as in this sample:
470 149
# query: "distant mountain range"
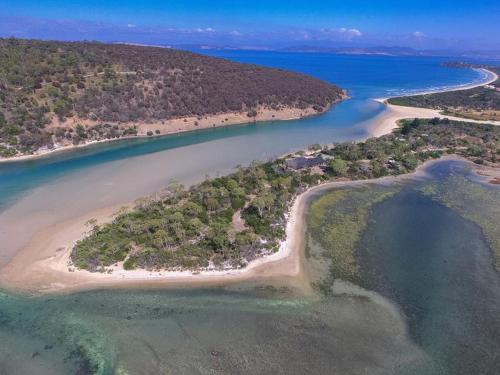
378 50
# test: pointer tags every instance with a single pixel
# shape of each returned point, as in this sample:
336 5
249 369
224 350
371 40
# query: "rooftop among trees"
228 221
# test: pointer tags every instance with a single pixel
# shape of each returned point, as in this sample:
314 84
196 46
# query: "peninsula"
57 95
224 228
421 106
480 102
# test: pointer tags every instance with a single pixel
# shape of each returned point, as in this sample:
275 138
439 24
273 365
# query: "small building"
303 162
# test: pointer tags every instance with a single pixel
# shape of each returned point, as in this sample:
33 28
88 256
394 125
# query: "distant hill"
389 51
47 88
353 50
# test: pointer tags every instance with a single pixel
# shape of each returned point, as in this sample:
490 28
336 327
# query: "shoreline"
387 121
491 77
181 126
42 267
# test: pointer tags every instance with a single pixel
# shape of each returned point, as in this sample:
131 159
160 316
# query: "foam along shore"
43 265
175 126
387 121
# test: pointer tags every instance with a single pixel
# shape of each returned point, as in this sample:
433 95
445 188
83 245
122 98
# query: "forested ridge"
43 81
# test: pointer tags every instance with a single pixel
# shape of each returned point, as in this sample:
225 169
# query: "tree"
378 169
408 125
410 161
264 203
161 239
192 209
80 131
338 167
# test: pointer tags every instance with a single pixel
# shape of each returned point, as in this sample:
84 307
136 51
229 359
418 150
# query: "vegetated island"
64 94
479 103
224 223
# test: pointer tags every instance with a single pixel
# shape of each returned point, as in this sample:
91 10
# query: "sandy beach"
388 120
43 266
169 127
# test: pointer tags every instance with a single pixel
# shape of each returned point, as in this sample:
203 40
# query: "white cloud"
419 34
235 33
354 32
131 25
205 30
343 33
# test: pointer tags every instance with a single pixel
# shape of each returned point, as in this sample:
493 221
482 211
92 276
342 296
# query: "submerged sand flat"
67 203
42 264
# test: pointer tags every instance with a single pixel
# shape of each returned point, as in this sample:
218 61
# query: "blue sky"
449 24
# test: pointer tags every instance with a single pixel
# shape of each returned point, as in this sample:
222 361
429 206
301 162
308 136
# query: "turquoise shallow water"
365 77
434 310
243 330
40 193
200 332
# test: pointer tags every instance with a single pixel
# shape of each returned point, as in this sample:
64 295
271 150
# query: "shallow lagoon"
37 194
429 305
242 329
420 252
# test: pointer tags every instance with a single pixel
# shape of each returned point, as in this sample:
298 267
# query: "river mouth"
424 299
36 195
244 328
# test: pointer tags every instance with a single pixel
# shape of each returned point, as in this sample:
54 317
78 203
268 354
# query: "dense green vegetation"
43 84
228 221
480 103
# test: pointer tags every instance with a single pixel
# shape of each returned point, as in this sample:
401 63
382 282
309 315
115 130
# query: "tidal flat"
423 297
430 248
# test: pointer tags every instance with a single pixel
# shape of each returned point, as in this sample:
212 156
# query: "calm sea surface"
365 77
428 309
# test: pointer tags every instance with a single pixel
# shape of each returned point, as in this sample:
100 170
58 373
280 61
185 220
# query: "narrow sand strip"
42 266
388 120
